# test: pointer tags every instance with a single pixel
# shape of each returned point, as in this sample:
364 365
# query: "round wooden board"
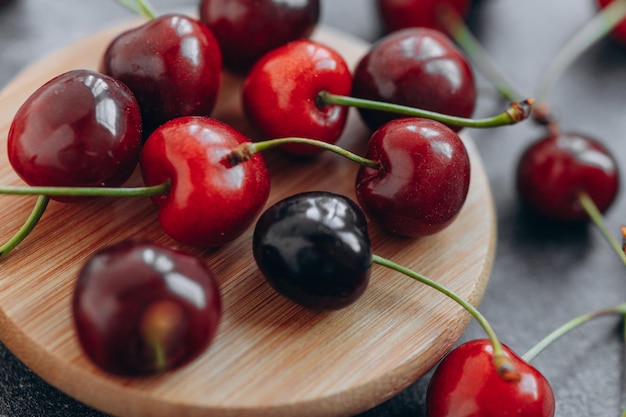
271 357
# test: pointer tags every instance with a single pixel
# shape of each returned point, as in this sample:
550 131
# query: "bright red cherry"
141 308
81 128
210 203
423 180
401 14
280 94
173 65
619 31
416 67
247 29
466 384
554 170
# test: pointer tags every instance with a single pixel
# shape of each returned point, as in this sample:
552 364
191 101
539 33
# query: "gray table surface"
543 275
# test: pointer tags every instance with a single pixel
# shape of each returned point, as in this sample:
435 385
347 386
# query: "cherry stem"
458 30
517 111
245 151
595 215
27 227
141 7
502 362
594 30
569 326
88 191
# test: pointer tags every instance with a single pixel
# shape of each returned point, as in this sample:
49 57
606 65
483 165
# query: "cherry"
81 128
417 67
466 384
247 29
280 94
554 171
173 65
423 179
141 308
314 249
209 202
401 14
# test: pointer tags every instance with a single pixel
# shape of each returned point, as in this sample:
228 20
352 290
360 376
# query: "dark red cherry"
401 14
280 94
247 29
141 308
423 180
619 31
172 64
553 171
314 249
466 384
210 203
416 67
81 128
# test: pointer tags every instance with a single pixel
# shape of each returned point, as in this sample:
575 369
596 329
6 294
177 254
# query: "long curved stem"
501 361
27 227
88 191
595 215
141 7
517 111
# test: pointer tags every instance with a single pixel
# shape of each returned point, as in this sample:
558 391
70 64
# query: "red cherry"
401 14
247 29
466 384
141 308
423 180
280 93
619 31
554 170
416 67
209 203
172 64
81 128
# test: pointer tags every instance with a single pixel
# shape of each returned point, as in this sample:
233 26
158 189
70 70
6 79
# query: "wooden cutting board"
271 357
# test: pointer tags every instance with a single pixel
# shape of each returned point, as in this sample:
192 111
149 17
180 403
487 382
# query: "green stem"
597 28
27 227
595 215
517 111
458 30
501 360
245 151
88 191
569 326
141 7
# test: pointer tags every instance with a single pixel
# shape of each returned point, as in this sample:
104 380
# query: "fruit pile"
145 115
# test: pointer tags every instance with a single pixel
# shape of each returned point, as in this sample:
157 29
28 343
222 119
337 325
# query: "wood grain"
271 357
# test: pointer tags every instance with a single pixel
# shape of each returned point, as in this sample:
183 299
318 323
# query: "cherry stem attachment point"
517 111
141 7
502 362
569 326
595 215
245 151
27 227
88 191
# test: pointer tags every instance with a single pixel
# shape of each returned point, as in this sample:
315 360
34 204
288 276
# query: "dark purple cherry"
172 64
423 179
247 29
141 308
555 170
416 67
314 249
81 128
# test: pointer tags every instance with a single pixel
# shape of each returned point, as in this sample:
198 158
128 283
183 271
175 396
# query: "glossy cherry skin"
141 308
314 249
554 170
247 29
401 14
82 128
417 67
466 384
619 31
280 94
173 65
423 180
210 203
